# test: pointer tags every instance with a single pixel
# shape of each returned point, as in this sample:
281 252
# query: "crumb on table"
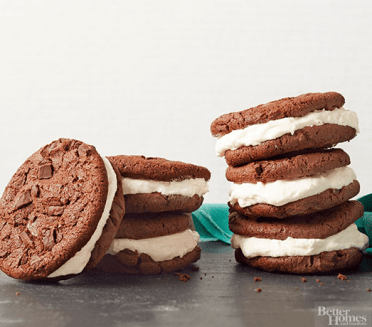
183 277
341 277
257 279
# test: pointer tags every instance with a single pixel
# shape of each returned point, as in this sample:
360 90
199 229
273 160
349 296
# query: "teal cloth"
365 222
212 223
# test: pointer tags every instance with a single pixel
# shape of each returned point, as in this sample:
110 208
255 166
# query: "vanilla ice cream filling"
281 192
254 246
187 187
159 248
77 263
256 134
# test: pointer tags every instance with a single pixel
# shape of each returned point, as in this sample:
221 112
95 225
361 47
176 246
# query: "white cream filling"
159 248
282 192
77 263
256 134
254 247
187 187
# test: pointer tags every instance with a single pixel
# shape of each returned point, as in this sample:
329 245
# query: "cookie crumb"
304 280
212 276
183 277
369 290
258 290
17 293
318 280
341 277
257 279
194 268
201 277
297 288
321 283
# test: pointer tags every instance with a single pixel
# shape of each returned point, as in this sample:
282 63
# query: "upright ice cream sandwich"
60 212
313 120
292 184
159 185
320 242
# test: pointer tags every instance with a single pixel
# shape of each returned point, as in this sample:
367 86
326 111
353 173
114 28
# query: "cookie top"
318 225
52 207
158 169
149 225
287 107
290 166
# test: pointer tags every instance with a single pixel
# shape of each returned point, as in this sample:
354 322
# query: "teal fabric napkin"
212 223
365 222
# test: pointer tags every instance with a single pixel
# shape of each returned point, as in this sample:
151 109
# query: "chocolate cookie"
149 225
323 262
318 225
129 262
59 213
312 204
287 107
288 167
159 185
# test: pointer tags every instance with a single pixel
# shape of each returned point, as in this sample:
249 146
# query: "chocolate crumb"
304 280
194 268
341 277
369 290
257 279
17 293
212 276
183 277
201 277
258 290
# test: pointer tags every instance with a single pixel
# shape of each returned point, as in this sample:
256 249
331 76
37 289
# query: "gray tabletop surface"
220 292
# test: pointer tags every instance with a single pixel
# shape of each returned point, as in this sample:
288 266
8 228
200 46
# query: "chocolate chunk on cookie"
59 213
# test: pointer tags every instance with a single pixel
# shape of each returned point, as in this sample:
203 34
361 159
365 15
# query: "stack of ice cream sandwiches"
156 234
65 209
290 207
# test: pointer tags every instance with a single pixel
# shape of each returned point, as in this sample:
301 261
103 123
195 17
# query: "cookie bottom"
322 201
157 202
323 262
129 262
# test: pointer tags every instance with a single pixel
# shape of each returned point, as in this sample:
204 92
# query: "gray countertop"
219 293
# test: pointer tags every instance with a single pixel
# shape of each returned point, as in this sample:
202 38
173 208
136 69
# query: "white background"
149 77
